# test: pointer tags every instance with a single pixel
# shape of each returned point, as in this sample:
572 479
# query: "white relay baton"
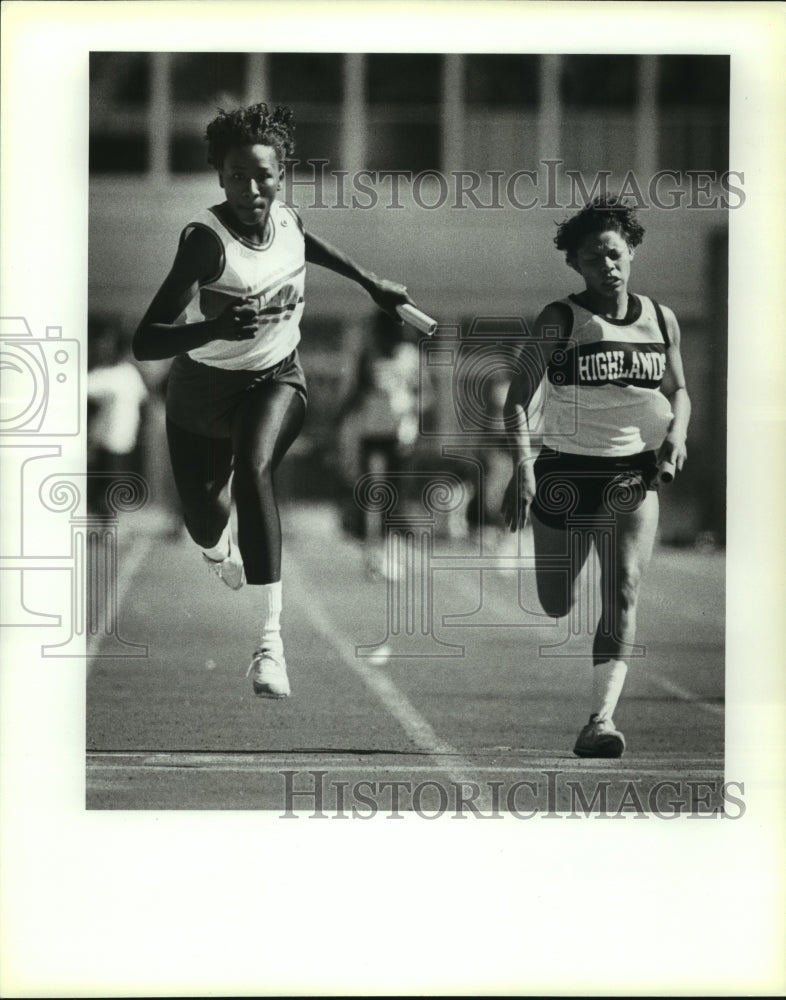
417 318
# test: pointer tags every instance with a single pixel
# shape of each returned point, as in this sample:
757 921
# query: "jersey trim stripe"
633 314
661 323
280 280
259 247
280 310
261 292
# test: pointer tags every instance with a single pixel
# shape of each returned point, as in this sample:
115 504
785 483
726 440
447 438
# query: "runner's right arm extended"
523 410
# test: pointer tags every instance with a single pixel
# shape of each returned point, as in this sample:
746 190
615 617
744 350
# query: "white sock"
271 617
220 550
607 682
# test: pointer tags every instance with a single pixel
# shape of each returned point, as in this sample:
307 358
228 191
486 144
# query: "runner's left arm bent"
674 448
386 294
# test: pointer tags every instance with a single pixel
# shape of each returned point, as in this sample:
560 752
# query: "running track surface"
181 729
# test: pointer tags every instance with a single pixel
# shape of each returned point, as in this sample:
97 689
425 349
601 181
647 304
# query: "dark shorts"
203 399
576 486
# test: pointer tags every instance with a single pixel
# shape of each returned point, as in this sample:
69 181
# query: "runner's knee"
625 588
255 467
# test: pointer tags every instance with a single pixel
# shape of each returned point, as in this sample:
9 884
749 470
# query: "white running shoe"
269 674
599 738
230 570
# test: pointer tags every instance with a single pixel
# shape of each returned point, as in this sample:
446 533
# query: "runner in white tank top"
604 393
271 275
228 313
599 407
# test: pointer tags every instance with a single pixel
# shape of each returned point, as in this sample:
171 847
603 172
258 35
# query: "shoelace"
263 654
216 566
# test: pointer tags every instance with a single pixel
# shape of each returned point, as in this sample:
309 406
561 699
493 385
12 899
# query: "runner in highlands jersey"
598 408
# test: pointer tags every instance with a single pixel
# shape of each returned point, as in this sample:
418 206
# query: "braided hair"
248 126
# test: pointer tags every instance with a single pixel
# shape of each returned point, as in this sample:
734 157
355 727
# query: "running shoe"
599 738
230 570
269 674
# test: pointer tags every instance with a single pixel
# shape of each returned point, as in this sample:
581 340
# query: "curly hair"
247 126
602 213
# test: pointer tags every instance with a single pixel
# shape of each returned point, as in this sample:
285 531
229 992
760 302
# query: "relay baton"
667 470
417 318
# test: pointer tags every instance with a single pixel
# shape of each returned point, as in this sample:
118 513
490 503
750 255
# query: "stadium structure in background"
448 172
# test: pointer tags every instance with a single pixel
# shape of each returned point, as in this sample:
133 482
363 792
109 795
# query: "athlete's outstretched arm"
523 410
159 336
386 294
674 450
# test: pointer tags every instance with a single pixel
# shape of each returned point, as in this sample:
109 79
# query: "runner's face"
603 260
250 178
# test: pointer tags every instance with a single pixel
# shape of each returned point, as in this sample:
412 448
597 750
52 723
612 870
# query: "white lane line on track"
687 770
127 566
685 695
185 758
470 589
394 700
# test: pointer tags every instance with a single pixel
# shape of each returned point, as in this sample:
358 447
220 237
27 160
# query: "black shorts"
575 486
203 398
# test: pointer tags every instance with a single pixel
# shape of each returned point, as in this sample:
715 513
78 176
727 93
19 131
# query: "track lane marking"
685 695
470 589
680 769
392 698
399 706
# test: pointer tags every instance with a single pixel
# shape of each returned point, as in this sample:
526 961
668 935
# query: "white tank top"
273 273
604 393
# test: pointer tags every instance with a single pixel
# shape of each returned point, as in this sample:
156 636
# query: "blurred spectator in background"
483 511
116 394
378 425
165 503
